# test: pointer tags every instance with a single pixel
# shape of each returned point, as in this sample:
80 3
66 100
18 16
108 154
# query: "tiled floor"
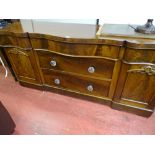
38 112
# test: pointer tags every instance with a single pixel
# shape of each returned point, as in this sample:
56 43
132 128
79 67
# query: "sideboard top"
110 34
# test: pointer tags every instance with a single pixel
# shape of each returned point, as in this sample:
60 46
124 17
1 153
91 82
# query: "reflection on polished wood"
117 69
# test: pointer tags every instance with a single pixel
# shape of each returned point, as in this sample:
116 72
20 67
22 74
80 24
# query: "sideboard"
117 70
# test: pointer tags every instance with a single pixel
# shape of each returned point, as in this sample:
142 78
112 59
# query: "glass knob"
57 81
91 69
90 88
53 63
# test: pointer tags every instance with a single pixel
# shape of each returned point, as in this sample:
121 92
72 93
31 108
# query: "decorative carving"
146 69
17 51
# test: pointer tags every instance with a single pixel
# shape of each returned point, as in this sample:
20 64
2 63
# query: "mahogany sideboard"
116 67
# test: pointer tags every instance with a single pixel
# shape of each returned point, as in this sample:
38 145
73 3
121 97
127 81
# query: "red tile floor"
38 112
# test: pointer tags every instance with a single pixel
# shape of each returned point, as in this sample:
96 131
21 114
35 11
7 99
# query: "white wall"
61 27
27 25
74 21
119 20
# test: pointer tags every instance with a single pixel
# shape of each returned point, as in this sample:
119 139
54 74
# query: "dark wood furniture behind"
112 69
7 124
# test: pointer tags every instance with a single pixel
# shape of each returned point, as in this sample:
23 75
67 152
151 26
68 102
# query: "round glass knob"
53 63
90 88
57 81
91 69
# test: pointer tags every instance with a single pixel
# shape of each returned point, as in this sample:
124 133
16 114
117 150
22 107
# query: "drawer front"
7 40
92 67
140 55
76 83
107 48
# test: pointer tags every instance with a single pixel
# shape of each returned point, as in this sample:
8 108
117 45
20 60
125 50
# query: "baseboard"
65 92
78 95
132 109
31 85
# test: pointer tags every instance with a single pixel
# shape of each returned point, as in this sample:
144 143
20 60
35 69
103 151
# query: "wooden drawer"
21 40
82 47
139 55
76 83
89 66
7 40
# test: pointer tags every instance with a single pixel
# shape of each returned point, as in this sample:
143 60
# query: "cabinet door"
24 65
136 85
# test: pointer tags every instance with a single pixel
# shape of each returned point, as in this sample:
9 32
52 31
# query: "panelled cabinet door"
136 85
24 65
